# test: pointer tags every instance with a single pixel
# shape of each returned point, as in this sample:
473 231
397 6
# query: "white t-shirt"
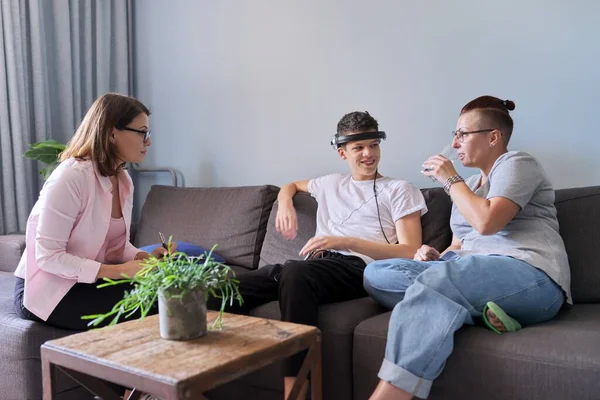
347 207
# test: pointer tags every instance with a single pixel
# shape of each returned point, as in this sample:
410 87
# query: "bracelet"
451 181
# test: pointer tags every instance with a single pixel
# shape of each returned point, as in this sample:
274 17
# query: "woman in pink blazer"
78 230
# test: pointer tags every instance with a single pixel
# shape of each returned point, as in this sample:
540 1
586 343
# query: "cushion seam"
520 357
577 198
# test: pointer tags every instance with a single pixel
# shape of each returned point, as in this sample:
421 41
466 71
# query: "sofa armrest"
11 249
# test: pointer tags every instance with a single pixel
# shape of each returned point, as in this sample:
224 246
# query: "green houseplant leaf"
175 272
47 152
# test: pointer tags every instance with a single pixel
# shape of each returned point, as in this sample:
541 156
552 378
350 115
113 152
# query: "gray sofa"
556 360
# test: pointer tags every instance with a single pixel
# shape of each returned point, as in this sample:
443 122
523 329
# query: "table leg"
93 385
48 377
316 377
312 363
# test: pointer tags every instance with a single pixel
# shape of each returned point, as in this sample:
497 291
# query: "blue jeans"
432 300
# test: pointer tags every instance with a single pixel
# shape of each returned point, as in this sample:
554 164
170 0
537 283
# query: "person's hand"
286 222
439 167
325 243
160 251
120 271
427 253
130 268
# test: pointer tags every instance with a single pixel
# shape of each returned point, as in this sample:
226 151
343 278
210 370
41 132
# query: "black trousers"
300 286
82 299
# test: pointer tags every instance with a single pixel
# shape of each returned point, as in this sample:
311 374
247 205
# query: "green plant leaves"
48 143
46 152
46 172
175 274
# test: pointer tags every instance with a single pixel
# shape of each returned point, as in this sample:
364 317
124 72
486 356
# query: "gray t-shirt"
532 235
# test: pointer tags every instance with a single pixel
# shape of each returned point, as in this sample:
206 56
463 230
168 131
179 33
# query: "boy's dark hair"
357 121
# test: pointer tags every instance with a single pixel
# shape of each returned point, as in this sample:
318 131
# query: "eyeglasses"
460 136
145 133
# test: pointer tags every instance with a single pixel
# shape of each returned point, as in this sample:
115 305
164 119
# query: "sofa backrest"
234 218
436 223
277 249
241 220
578 212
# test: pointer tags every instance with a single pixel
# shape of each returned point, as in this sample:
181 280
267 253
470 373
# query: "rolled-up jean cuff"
404 380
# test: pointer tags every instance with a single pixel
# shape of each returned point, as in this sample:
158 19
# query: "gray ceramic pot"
182 318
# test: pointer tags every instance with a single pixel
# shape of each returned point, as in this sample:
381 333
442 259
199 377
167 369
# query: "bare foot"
495 321
288 382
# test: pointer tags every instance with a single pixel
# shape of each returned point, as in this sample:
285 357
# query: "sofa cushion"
435 224
11 249
190 249
579 219
20 367
233 218
559 359
277 249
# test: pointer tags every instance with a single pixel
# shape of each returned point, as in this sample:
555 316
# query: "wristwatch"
451 181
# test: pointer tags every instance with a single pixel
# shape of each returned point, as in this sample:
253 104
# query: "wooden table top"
135 349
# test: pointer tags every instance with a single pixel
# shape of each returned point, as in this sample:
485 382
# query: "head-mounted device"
337 140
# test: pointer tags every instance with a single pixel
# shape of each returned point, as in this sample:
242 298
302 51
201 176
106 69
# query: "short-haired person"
361 216
507 263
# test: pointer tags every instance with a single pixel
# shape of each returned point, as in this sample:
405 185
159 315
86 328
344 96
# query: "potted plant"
181 284
46 152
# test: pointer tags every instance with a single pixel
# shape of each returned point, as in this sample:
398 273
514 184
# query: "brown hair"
356 121
494 112
91 140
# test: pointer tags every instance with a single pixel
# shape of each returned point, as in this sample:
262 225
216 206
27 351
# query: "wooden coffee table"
133 354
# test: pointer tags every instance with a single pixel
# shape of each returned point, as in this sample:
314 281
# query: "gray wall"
249 92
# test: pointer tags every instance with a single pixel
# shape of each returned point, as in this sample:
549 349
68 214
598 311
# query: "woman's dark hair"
494 112
92 138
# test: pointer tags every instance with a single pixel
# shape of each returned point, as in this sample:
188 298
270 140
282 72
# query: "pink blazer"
66 230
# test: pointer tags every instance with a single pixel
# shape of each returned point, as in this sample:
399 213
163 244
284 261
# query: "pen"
163 241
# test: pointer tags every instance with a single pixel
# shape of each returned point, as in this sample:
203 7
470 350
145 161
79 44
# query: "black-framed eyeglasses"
145 133
460 135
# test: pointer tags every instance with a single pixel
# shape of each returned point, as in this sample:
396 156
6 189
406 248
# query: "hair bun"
509 104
